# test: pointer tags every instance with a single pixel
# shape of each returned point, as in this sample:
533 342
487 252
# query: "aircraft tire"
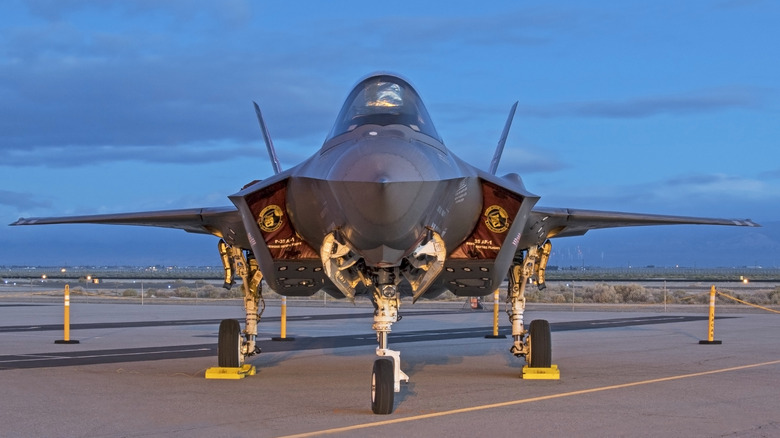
541 346
382 391
229 345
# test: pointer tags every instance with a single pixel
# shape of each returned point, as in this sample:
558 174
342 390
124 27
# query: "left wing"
224 222
566 222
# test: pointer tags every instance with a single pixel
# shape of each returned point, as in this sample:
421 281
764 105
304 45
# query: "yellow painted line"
525 400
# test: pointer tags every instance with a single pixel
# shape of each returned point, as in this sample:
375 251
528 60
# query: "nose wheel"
382 391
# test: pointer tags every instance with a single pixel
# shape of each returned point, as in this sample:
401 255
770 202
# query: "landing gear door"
289 264
497 233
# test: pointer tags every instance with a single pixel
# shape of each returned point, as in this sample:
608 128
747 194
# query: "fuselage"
383 187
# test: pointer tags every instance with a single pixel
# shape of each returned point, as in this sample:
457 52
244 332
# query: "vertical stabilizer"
267 139
502 140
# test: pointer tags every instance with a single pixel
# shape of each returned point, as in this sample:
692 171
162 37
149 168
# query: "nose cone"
386 191
384 216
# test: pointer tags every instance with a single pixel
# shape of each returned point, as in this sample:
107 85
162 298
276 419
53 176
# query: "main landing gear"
534 345
233 345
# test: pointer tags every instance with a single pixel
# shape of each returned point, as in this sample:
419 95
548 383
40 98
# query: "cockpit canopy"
383 100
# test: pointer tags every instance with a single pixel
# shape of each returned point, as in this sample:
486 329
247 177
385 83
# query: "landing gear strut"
387 375
233 348
534 345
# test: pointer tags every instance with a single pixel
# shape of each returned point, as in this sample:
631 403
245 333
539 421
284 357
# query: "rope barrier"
746 303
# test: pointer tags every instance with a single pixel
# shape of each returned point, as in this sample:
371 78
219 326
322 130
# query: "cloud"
771 174
147 101
696 102
688 191
524 161
717 185
228 11
527 27
710 195
69 85
76 156
21 201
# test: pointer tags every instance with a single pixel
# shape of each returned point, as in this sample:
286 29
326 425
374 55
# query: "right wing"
224 222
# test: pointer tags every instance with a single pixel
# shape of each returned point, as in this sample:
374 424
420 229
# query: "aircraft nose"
381 163
385 192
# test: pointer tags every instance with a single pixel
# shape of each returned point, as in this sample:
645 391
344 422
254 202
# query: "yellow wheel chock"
538 373
234 373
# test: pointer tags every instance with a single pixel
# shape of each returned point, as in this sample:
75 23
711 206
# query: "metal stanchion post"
711 335
66 325
283 334
495 334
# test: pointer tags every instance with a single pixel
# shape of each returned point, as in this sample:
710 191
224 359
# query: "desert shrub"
184 292
534 295
680 297
235 292
129 293
558 299
702 298
774 296
633 293
600 293
153 292
657 296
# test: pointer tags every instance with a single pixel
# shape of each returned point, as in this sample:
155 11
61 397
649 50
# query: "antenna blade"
502 140
267 139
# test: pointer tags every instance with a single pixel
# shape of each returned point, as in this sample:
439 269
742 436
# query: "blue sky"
659 107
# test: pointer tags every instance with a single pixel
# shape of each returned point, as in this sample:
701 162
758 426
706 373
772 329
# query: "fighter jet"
384 209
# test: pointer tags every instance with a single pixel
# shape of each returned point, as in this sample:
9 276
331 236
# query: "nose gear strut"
385 383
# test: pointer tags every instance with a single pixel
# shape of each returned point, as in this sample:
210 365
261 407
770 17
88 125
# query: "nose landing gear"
386 376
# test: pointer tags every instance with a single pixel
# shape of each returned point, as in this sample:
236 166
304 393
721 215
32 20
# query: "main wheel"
540 354
382 387
229 346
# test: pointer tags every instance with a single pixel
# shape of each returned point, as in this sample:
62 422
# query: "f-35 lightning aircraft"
385 209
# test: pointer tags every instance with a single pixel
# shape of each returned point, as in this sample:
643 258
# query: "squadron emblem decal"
270 218
496 219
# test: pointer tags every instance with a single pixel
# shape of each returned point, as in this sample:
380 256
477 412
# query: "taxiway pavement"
138 371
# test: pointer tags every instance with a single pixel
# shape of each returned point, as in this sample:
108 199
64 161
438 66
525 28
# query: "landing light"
388 291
